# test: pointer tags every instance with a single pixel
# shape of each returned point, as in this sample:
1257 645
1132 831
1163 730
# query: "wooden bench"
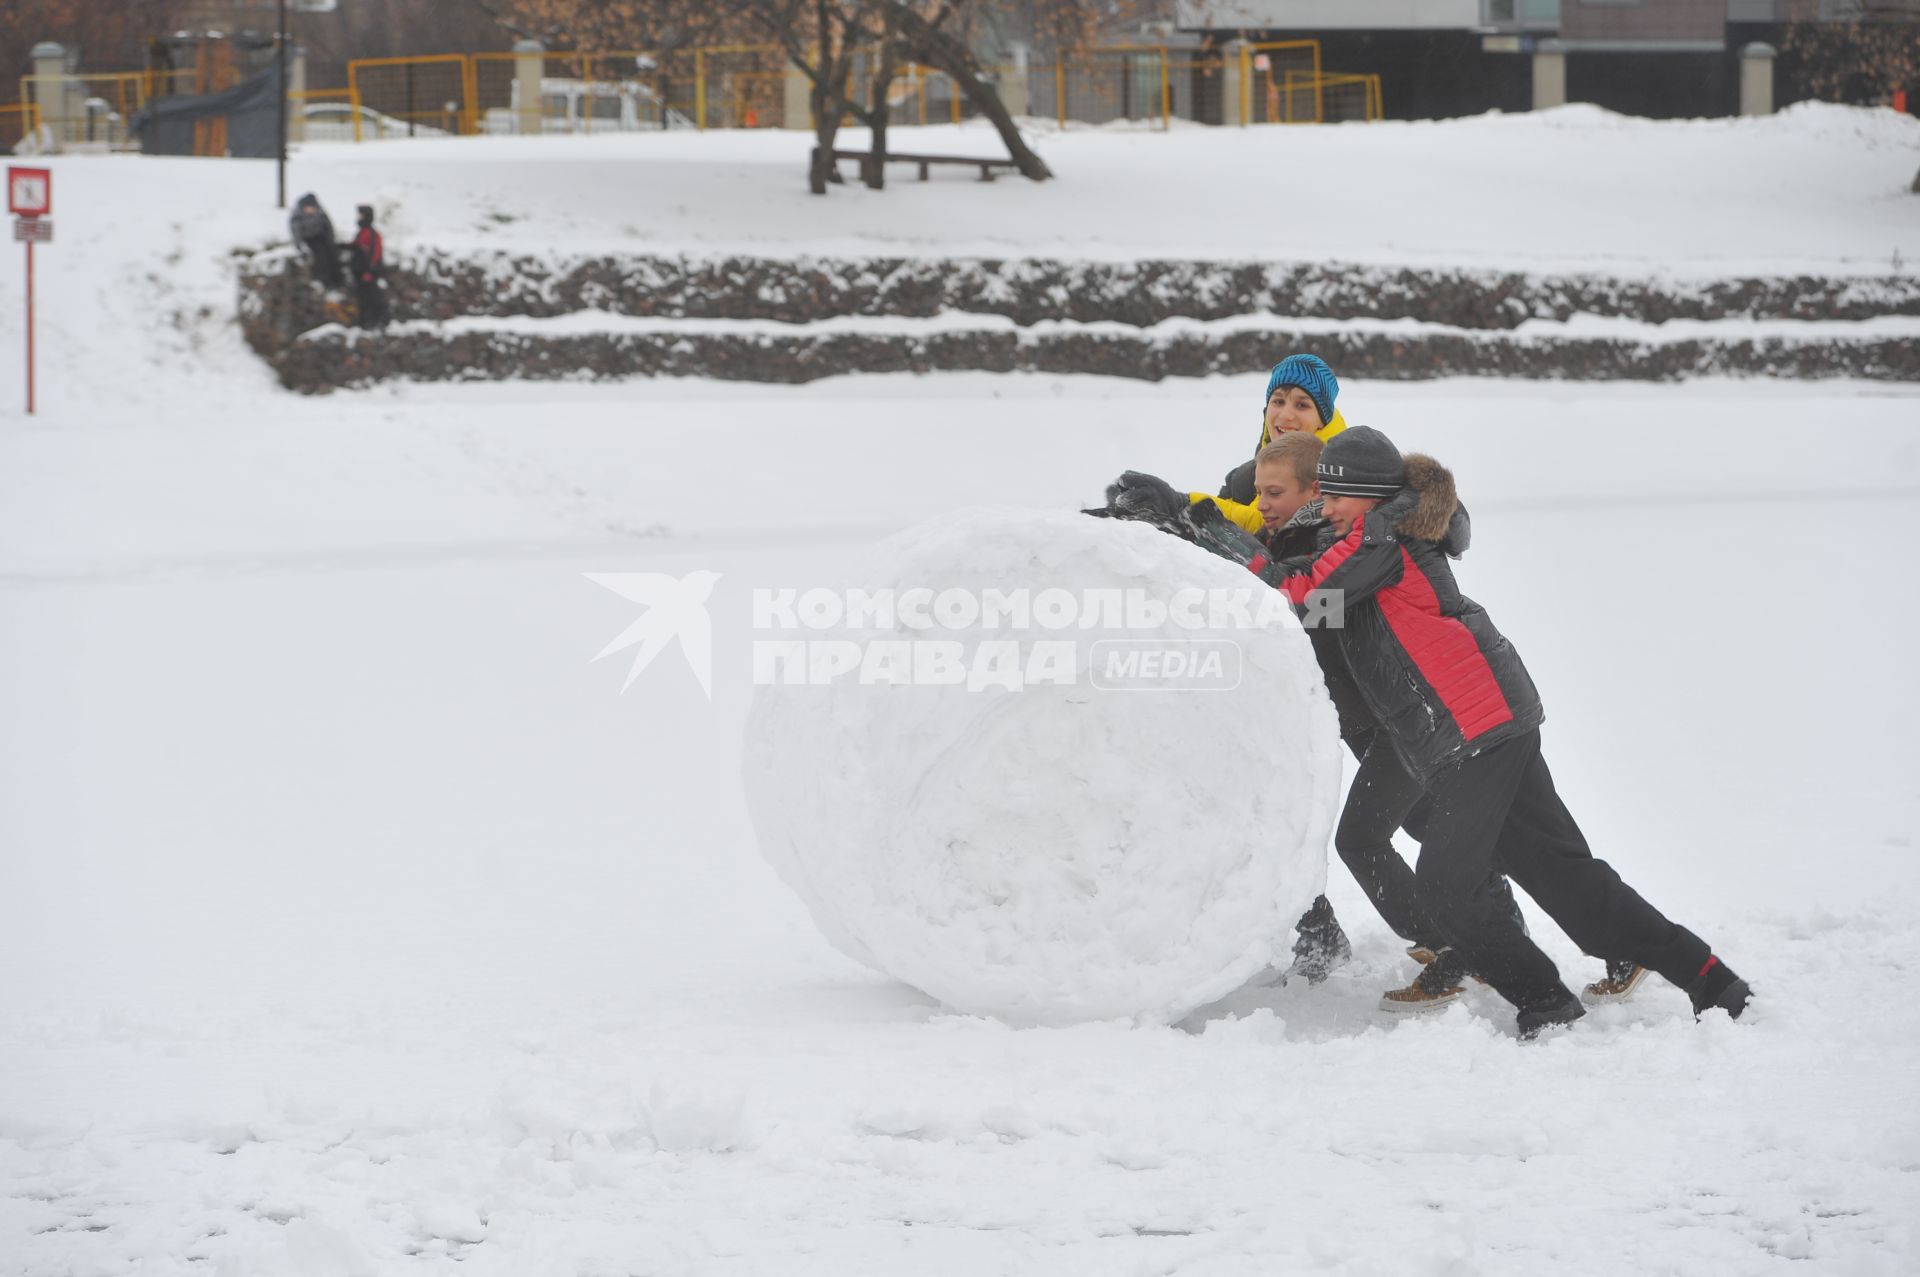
865 158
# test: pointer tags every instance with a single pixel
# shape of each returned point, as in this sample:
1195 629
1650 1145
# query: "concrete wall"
1664 20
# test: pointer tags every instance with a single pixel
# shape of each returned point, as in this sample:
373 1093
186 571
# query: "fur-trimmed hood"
1434 500
1428 508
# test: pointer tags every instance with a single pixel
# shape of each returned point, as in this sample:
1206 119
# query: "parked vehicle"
333 122
589 106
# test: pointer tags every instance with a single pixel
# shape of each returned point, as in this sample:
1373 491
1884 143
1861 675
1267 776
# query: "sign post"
30 199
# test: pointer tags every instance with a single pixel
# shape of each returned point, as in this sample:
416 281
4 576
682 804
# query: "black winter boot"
1718 986
1321 948
1561 1008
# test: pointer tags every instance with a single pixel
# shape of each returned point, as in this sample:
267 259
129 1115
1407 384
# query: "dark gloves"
1212 531
1145 497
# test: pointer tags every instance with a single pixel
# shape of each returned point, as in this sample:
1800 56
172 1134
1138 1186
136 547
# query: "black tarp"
165 127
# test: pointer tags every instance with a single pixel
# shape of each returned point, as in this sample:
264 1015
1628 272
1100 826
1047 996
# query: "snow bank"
149 301
1066 851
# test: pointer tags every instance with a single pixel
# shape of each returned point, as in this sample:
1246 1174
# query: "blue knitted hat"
1311 374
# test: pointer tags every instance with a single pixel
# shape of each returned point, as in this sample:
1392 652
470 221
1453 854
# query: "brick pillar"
1013 82
54 93
796 99
1756 79
1549 74
529 67
296 87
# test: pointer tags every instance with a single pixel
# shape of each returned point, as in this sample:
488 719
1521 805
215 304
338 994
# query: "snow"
1816 187
1020 842
354 922
577 323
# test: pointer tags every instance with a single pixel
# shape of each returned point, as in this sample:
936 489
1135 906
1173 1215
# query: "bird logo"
676 607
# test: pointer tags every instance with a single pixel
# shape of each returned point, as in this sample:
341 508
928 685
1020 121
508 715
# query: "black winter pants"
1499 812
324 257
371 300
1364 840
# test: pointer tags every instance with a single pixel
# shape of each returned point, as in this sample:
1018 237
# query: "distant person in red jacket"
369 265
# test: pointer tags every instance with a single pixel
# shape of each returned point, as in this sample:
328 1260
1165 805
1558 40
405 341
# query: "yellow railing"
1117 82
17 120
747 86
65 101
435 93
125 92
716 86
1266 66
1311 97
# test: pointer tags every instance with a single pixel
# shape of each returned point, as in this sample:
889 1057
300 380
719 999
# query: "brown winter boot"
1438 984
1622 979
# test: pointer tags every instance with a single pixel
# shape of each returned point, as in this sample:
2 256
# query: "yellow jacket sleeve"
1245 516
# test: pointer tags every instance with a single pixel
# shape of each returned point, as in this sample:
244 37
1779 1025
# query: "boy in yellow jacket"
1300 394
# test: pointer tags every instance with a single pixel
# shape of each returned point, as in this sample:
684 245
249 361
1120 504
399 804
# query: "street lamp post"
280 62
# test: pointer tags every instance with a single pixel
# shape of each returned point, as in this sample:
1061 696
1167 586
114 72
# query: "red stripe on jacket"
1445 652
1298 587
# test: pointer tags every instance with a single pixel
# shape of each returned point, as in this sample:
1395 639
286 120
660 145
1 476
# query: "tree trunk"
826 126
883 78
934 47
987 99
826 119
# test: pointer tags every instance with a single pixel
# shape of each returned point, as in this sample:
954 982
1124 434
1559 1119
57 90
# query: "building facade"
1439 58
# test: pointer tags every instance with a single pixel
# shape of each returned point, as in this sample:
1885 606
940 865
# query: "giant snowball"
1111 840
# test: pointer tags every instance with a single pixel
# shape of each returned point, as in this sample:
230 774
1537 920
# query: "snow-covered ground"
352 921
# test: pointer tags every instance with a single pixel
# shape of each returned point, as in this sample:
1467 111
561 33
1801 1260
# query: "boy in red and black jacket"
369 253
1460 725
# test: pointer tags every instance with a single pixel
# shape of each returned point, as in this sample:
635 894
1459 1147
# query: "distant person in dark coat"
313 232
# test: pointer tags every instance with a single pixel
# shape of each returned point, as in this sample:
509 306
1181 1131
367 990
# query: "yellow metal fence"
1311 97
411 97
751 86
93 108
16 122
740 86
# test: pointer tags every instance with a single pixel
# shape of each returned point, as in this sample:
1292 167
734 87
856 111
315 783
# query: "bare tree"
824 40
391 28
1867 57
930 42
596 26
886 71
108 37
1865 52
